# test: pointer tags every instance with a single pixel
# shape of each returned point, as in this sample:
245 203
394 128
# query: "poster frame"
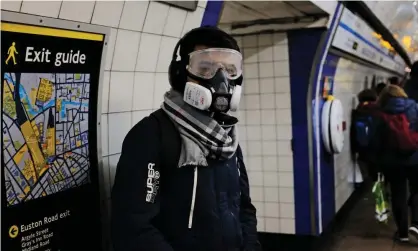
29 19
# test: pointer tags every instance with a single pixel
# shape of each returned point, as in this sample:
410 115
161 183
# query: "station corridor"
361 232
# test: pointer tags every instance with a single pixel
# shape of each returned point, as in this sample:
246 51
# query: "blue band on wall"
360 37
212 13
316 169
302 44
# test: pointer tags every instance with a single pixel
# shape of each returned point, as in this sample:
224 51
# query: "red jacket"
366 108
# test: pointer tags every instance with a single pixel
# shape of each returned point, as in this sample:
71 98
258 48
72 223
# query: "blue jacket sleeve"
248 216
412 114
135 198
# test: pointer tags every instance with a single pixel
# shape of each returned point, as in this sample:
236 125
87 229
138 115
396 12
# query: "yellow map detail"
50 139
59 103
8 101
40 128
20 154
45 90
32 96
29 172
35 128
44 168
73 170
33 145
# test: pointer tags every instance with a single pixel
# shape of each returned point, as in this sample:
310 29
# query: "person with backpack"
396 145
181 183
362 119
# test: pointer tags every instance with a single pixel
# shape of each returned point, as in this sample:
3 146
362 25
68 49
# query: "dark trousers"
399 178
368 170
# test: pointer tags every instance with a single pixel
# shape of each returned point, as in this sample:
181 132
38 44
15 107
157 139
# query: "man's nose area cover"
220 82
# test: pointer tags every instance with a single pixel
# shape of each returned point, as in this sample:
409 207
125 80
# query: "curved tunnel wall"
321 170
273 128
278 70
319 187
350 75
274 134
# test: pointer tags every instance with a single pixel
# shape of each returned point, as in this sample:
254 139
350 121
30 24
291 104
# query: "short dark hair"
367 95
209 36
379 88
394 80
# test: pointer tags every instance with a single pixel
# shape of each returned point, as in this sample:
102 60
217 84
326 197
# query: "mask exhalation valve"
221 103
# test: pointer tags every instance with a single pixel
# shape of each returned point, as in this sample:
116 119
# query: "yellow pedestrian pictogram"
11 52
13 231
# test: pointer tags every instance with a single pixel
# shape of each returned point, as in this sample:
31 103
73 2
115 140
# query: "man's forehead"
200 47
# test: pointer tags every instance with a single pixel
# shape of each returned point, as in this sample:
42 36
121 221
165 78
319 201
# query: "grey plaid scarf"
202 136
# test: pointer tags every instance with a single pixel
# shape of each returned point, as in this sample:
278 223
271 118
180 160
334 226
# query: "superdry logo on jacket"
159 207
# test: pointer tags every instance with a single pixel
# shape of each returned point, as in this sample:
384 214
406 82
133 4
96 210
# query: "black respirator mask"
216 71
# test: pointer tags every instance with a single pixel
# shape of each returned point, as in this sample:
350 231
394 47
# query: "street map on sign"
45 133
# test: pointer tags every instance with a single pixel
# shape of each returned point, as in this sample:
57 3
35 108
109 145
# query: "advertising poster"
50 185
328 86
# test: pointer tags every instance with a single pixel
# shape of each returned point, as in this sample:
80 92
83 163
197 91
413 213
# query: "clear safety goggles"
205 63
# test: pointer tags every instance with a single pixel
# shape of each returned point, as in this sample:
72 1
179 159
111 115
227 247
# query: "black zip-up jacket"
156 207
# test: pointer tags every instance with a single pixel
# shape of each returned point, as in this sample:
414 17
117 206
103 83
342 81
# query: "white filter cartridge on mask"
236 97
197 96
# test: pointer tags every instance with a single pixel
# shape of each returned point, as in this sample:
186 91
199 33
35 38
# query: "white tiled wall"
349 81
142 39
265 130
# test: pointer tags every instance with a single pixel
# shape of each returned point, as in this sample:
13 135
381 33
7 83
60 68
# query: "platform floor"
361 232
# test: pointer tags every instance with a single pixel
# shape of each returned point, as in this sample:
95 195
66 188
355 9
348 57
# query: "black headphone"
177 73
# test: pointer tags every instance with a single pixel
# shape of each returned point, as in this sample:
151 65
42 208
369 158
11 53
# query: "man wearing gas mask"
181 183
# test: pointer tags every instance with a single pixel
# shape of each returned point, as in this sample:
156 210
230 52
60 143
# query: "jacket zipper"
193 198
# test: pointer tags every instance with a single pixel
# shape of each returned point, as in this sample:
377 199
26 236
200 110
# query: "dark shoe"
401 239
414 231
